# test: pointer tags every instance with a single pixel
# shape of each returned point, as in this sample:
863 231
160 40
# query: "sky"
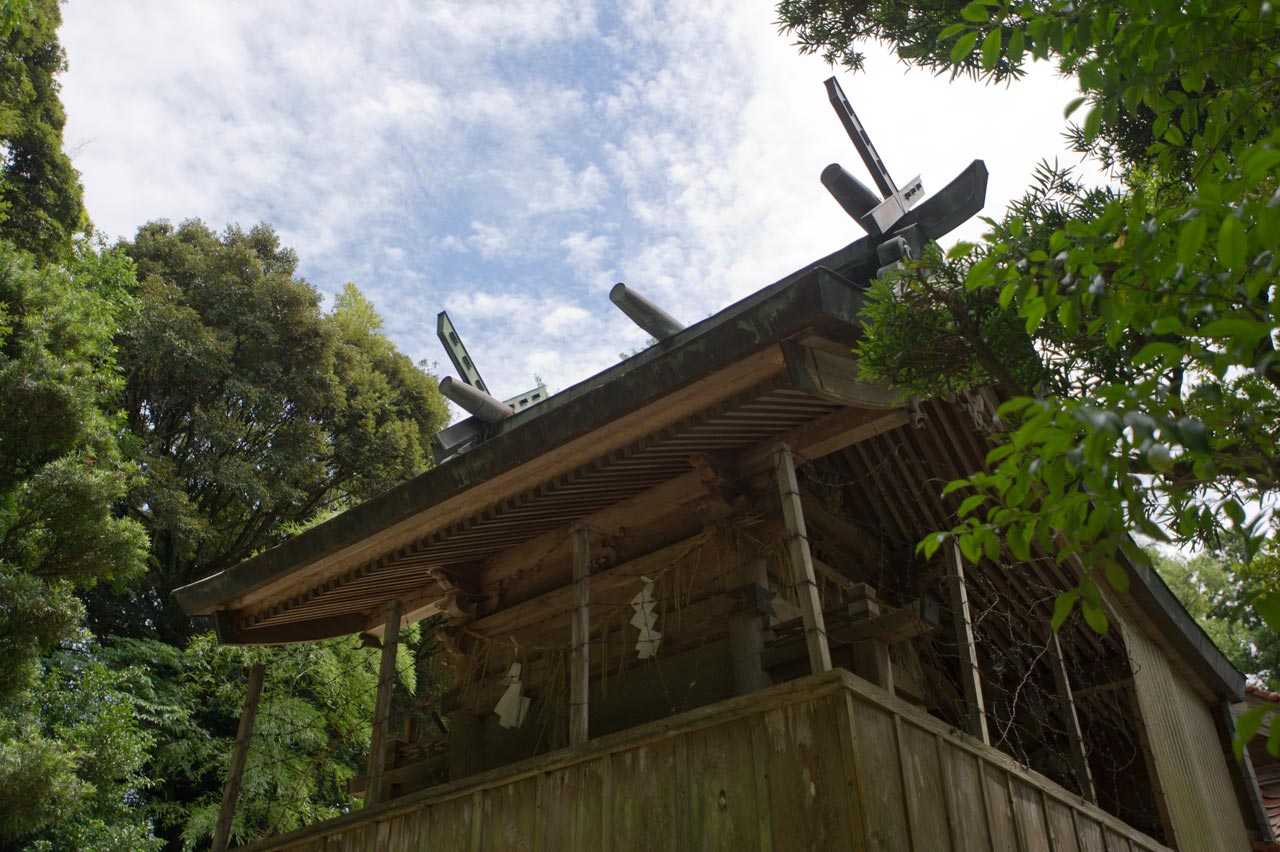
510 161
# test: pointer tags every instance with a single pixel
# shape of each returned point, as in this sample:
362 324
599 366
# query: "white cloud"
489 240
510 160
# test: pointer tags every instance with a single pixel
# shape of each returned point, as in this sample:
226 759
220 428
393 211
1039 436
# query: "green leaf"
1267 607
976 12
1231 243
1248 724
1171 353
991 49
1260 163
1094 616
1117 577
963 46
1017 46
1190 238
1016 538
953 29
1092 124
1063 605
970 503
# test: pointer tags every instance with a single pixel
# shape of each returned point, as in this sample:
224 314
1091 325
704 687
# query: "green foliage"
311 735
250 409
1218 594
41 205
60 465
71 754
1152 311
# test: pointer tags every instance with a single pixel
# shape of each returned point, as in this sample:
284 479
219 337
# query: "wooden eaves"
758 369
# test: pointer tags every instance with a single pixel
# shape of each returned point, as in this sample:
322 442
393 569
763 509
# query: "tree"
61 471
1132 332
72 750
250 409
1217 594
310 738
41 207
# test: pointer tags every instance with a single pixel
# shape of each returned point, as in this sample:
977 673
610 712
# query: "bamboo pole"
580 625
1067 705
802 573
235 774
966 647
376 791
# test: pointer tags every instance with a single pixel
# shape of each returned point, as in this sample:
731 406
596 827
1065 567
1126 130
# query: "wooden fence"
827 762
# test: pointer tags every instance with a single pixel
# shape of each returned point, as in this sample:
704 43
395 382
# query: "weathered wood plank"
509 815
450 825
1028 813
574 803
1117 842
1089 832
1062 829
926 807
722 789
804 770
644 801
962 773
881 779
1004 832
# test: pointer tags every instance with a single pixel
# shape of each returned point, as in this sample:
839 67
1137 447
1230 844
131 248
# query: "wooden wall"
1193 772
827 762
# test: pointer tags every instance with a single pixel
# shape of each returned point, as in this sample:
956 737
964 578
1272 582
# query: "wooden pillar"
579 657
871 658
802 573
1067 707
966 647
235 774
746 631
377 791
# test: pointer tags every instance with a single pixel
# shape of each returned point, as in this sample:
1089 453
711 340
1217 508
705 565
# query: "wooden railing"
827 762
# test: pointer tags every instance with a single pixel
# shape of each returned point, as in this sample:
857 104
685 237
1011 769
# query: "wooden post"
376 791
1067 706
802 575
579 657
235 774
746 633
966 647
871 658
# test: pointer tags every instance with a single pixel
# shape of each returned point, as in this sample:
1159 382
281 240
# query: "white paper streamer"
512 707
644 620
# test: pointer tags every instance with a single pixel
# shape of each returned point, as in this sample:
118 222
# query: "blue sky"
510 161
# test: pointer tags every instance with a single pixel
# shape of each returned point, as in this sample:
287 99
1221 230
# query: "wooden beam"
556 546
1067 708
378 788
834 377
579 653
802 571
826 435
746 633
235 774
484 493
966 648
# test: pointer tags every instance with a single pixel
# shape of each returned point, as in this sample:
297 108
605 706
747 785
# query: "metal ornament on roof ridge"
471 394
901 219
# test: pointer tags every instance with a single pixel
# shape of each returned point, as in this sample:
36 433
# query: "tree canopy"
1132 330
249 408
